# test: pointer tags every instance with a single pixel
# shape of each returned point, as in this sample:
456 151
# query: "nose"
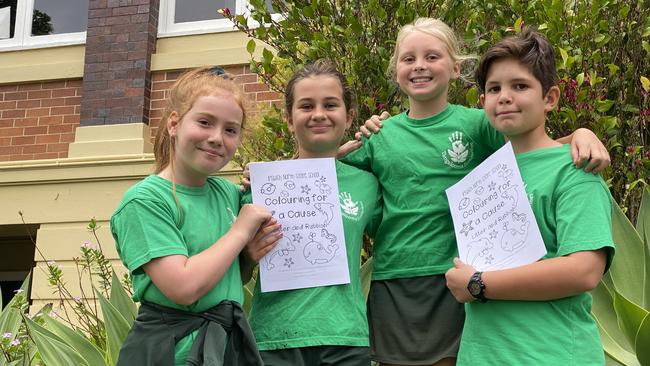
504 97
216 137
417 65
318 113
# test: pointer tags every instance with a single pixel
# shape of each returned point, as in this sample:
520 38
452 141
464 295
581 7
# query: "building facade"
82 88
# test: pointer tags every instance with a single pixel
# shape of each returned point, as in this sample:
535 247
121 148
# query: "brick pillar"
120 39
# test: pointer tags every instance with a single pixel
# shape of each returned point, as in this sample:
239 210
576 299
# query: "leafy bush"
602 48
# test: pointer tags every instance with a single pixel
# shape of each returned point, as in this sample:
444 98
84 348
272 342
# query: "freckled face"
206 138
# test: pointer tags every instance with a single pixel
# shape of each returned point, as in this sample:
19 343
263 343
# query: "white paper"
303 196
5 22
494 223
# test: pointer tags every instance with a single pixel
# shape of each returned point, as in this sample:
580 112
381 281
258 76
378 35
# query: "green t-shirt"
329 315
145 226
415 161
573 211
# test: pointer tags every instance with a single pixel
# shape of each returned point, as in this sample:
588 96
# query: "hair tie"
219 71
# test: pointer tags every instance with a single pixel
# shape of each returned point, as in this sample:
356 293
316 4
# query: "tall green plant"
621 302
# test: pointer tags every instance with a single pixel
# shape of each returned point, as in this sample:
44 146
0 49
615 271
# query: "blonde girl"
180 231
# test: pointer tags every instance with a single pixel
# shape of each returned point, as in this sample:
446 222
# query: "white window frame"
23 38
167 27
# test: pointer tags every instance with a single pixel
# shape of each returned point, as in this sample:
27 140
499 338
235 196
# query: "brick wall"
258 93
37 120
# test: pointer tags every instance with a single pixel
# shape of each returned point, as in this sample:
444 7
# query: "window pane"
7 18
60 16
195 10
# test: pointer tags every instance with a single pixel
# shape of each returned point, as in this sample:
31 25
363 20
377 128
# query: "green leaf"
53 349
630 316
642 342
248 295
250 46
605 105
580 78
116 327
646 46
267 55
645 83
628 261
122 301
10 317
91 354
517 25
614 342
564 55
471 97
643 229
613 69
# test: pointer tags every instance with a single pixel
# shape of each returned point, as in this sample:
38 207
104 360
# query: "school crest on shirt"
460 151
350 208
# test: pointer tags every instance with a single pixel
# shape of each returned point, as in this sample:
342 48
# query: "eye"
331 105
432 57
520 86
204 122
232 131
494 89
408 59
305 107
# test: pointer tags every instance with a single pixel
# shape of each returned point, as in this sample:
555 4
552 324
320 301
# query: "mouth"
319 128
506 113
420 79
211 152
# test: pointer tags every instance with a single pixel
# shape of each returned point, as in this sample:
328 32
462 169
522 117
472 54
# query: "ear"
349 119
289 123
172 123
481 99
551 98
456 71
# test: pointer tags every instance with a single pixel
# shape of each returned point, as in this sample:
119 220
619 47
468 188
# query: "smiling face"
206 138
424 68
514 102
318 116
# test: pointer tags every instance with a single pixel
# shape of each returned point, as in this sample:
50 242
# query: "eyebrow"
213 117
515 80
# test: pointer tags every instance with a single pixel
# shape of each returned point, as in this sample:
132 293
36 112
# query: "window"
14 268
180 17
42 23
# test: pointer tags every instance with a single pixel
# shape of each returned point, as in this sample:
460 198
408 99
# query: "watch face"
474 288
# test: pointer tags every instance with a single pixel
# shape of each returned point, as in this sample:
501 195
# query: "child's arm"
547 279
265 239
587 149
185 280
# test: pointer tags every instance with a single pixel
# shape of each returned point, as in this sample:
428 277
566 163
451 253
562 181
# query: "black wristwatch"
476 287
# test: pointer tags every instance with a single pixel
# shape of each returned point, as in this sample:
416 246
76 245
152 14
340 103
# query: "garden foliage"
603 57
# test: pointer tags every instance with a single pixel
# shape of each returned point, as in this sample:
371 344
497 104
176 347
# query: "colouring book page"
494 223
303 196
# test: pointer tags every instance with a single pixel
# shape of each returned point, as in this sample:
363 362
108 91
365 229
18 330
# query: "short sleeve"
377 214
144 230
492 138
584 219
246 197
360 158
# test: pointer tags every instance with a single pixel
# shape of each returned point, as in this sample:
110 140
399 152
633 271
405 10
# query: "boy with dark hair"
537 314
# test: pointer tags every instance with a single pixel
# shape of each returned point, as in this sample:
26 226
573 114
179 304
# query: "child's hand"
250 218
458 279
587 148
245 180
372 125
264 240
347 148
